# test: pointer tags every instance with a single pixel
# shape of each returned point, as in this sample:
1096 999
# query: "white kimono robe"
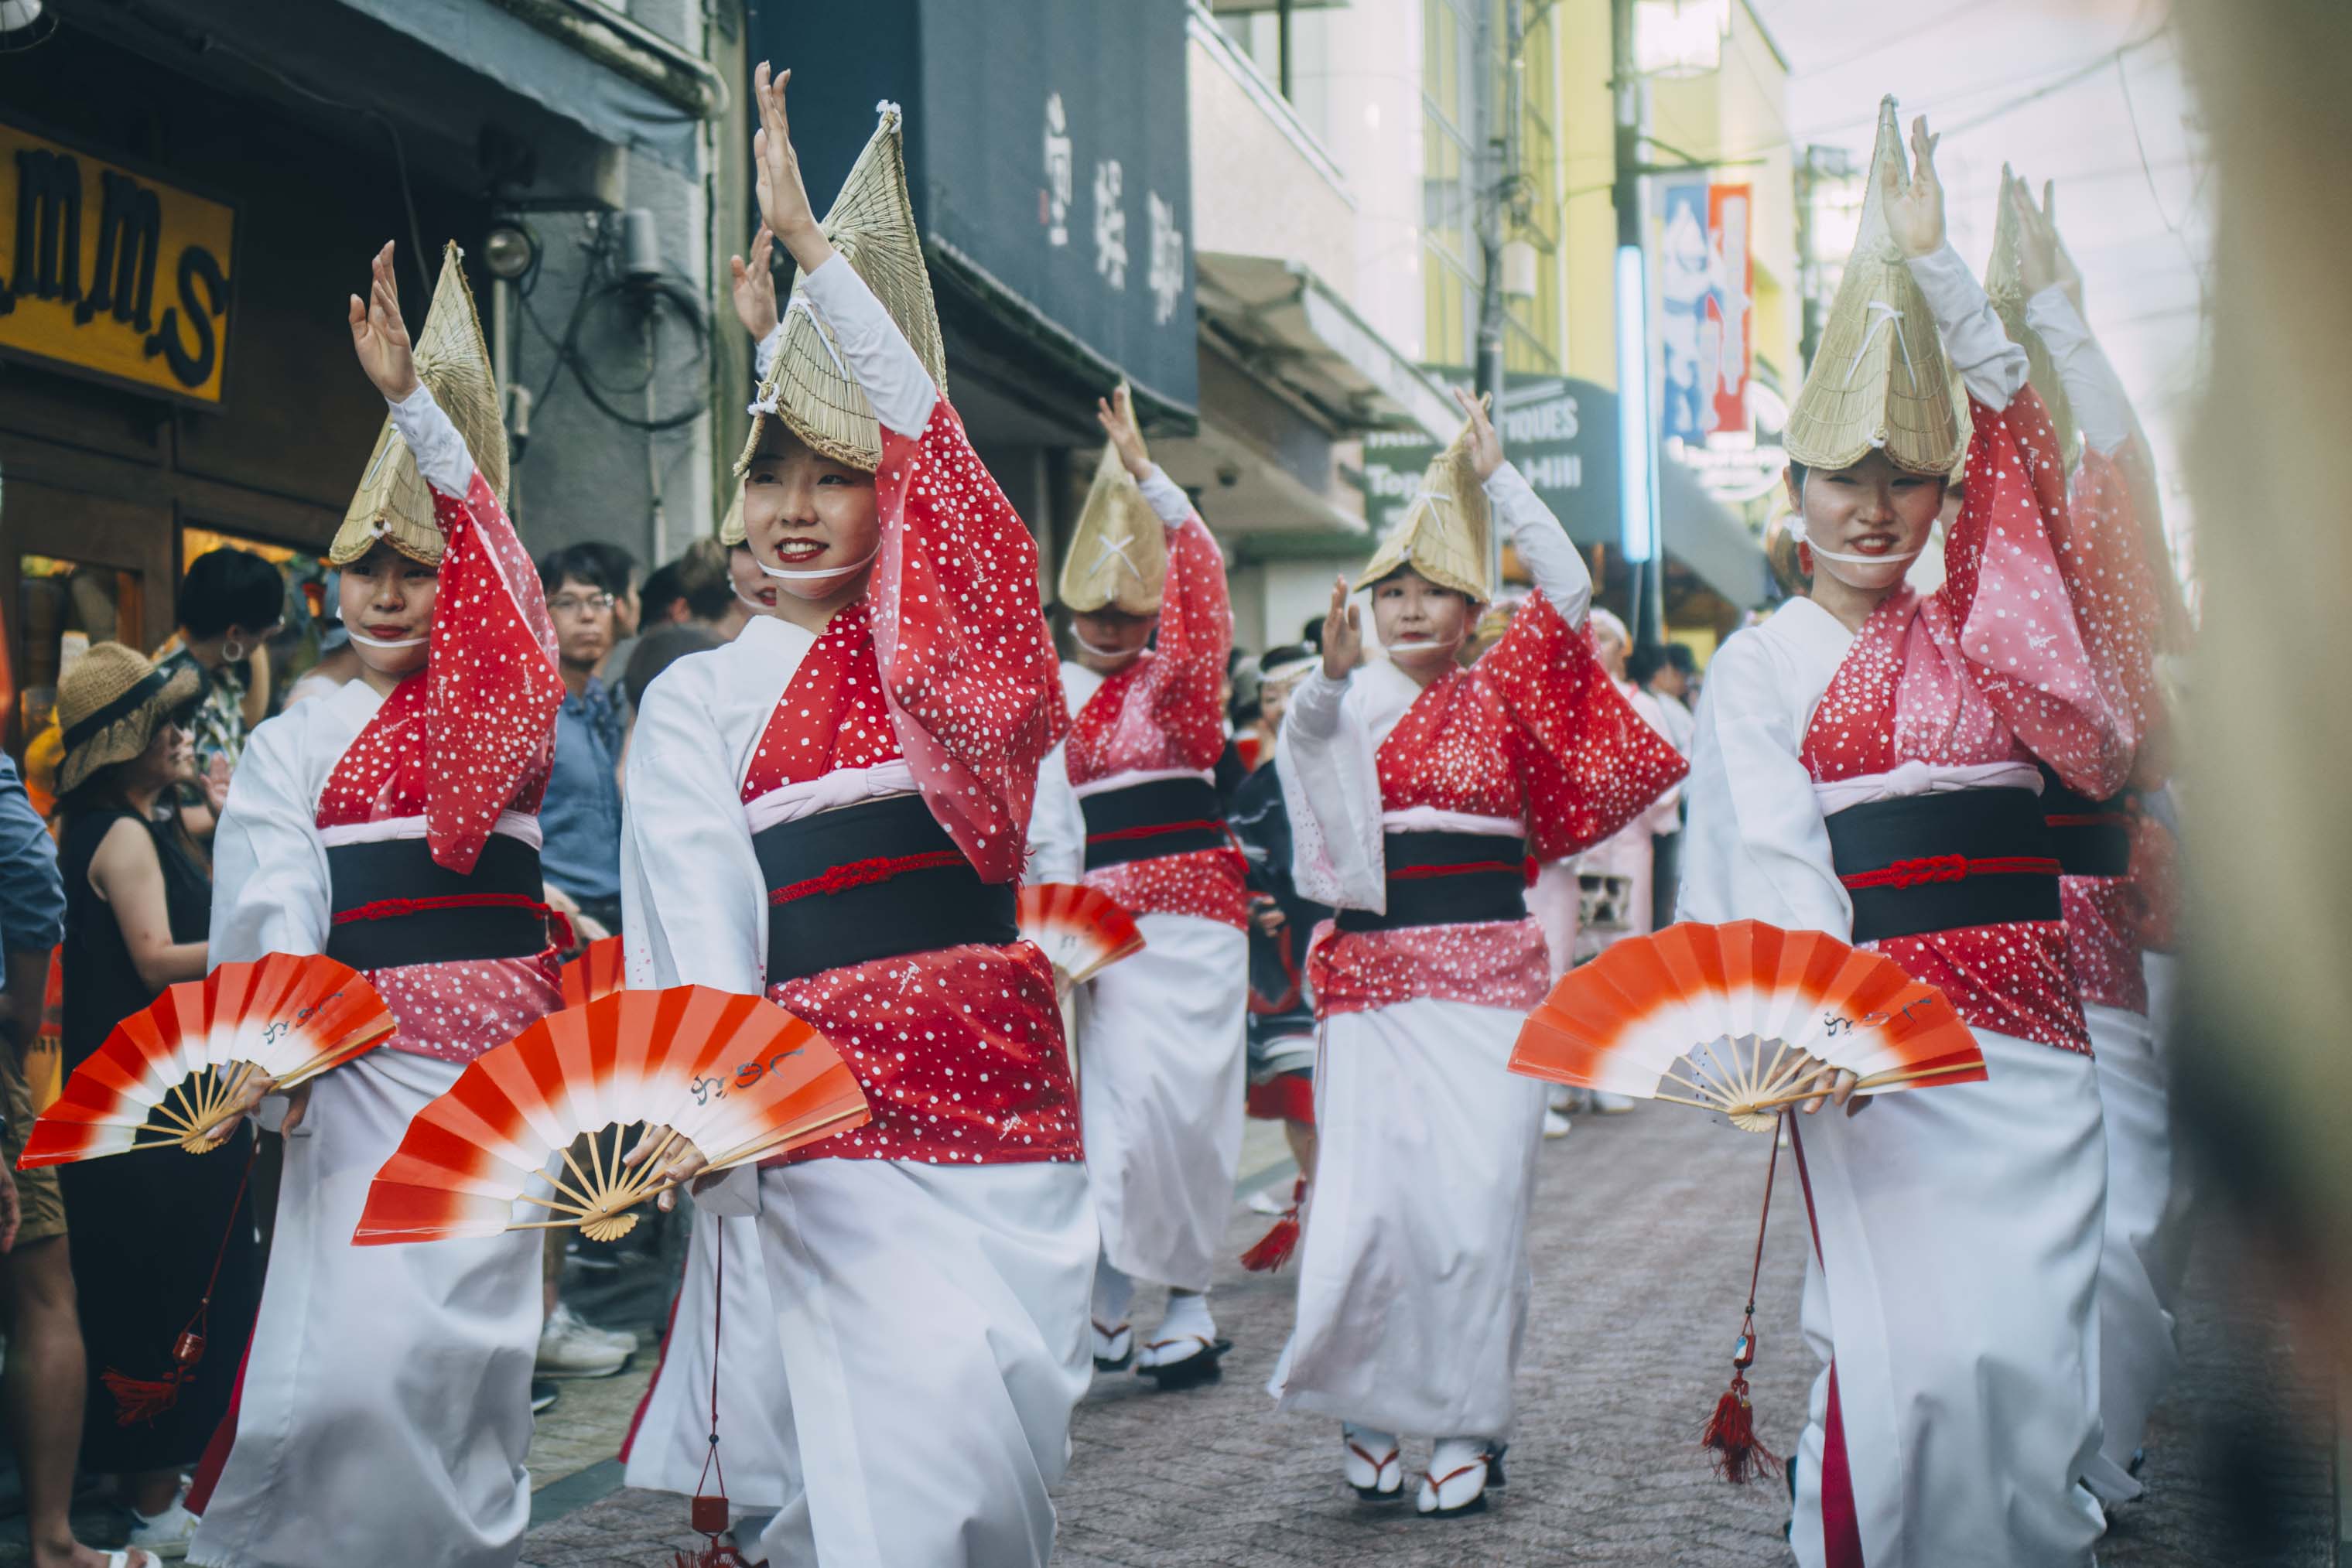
1950 1290
922 1336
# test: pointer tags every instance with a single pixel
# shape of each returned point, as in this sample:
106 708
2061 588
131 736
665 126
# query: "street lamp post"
1637 444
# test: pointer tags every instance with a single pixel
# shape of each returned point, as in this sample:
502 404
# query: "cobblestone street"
1643 1228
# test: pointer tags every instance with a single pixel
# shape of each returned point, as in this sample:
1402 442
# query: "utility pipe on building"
1637 443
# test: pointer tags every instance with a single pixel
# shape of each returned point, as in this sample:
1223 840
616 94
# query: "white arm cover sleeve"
1544 547
2092 385
441 453
1992 366
874 349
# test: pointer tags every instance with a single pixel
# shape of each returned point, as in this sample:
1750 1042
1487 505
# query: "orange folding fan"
1082 930
595 973
738 1077
287 1017
1743 1019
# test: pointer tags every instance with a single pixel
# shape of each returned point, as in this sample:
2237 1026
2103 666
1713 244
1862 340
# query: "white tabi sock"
1114 1294
1187 1316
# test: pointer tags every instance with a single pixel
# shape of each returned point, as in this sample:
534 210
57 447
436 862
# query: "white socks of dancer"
1114 1294
1372 1462
1456 1475
1186 1330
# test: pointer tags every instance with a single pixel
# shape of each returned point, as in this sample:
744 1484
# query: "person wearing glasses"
581 819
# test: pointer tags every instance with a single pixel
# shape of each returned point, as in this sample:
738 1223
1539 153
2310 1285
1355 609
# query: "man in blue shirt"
44 1399
580 822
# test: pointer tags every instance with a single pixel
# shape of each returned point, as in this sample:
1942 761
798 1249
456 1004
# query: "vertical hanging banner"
1686 328
1730 209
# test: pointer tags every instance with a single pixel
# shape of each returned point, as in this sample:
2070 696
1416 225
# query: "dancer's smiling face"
1870 508
1419 623
387 598
804 512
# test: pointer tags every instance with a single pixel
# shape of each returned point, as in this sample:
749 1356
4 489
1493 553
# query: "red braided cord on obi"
1950 868
1424 872
859 874
2089 819
1153 830
395 908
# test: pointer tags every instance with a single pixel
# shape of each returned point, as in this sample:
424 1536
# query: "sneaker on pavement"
1557 1124
1609 1105
165 1535
568 1347
1266 1200
543 1396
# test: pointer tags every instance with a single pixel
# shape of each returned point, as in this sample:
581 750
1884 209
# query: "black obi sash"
1448 879
872 881
394 904
1945 862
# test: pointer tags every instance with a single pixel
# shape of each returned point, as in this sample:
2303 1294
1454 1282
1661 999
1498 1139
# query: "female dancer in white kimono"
1418 790
1866 764
2113 854
384 1411
830 811
1129 805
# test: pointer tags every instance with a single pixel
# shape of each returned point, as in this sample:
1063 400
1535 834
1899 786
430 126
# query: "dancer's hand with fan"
676 1162
248 1099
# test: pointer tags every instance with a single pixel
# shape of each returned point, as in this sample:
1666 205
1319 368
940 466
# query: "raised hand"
1914 211
2037 242
755 287
784 199
1343 636
380 337
2070 277
1486 447
1117 414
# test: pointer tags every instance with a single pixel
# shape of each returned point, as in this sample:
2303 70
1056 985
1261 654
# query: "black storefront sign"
1559 432
1048 149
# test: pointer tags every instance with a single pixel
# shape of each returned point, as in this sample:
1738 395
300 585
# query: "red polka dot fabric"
466 738
968 671
832 714
1163 713
1490 964
2104 919
960 1053
1990 667
2111 577
1534 732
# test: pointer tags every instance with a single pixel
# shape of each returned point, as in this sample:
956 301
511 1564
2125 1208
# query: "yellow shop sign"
111 274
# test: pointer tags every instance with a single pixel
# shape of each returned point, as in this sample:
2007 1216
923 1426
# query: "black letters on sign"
196 265
49 224
129 234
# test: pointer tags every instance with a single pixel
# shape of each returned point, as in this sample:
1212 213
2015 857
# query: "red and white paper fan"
595 973
173 1070
1743 1019
738 1077
1082 930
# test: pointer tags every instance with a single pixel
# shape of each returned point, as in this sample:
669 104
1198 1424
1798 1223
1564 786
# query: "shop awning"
1708 537
581 60
1289 328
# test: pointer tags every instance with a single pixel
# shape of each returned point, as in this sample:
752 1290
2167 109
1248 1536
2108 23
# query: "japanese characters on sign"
108 272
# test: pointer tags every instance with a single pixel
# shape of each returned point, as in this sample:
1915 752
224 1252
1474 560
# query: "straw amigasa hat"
108 706
1879 381
1445 531
1118 557
394 504
872 224
2004 284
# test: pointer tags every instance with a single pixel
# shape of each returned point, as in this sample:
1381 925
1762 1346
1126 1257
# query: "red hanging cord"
707 1513
140 1399
1730 1432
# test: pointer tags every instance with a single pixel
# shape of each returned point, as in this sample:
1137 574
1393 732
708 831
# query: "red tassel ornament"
1740 1454
707 1515
1274 1249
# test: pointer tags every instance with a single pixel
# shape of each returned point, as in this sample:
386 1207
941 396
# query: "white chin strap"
364 641
1797 532
758 606
816 574
1099 651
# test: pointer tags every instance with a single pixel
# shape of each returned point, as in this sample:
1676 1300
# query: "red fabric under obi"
2104 919
2156 870
1210 883
454 1012
1534 732
1490 964
969 674
960 1053
472 735
832 715
2118 602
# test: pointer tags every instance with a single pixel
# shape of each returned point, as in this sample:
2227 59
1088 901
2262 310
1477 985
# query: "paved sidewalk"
1643 1232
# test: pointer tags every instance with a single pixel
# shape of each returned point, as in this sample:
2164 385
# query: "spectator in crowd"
231 603
580 822
658 650
752 592
42 1389
620 567
1664 684
662 602
145 1227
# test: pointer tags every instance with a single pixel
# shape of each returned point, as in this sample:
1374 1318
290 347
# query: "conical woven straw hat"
731 526
2005 286
394 503
872 224
1443 533
1118 557
1879 381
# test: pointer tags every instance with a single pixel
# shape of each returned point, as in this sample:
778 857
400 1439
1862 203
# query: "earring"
1804 558
232 650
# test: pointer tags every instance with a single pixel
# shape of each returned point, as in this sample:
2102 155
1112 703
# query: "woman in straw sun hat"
1868 726
1417 789
143 1229
831 811
416 783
